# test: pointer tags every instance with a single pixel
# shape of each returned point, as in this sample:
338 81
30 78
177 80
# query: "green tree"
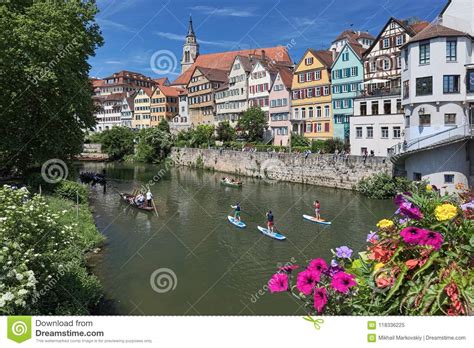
202 135
225 132
153 145
164 126
299 140
117 142
252 124
45 47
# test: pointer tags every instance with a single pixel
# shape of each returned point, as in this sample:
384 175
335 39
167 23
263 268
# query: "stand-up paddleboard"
318 221
236 222
271 234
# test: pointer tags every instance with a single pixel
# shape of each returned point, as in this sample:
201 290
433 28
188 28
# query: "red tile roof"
224 60
213 74
325 57
352 35
286 76
162 81
169 91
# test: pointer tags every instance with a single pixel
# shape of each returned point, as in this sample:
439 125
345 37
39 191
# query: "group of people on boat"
230 181
141 198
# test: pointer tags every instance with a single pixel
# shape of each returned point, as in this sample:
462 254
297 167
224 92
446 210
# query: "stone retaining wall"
321 170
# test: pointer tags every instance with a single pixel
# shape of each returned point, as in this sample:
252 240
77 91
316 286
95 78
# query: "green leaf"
428 263
397 283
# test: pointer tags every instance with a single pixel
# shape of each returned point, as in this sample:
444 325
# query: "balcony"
380 92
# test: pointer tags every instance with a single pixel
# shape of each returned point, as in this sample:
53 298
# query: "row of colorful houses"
412 80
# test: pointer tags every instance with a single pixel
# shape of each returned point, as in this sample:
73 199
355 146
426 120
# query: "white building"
438 95
127 111
232 100
435 65
363 38
181 121
109 113
260 83
377 125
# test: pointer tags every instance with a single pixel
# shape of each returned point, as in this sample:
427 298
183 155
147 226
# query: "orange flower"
412 263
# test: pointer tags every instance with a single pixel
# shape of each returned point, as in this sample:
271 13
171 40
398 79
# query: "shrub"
383 186
43 269
72 190
299 141
418 263
153 146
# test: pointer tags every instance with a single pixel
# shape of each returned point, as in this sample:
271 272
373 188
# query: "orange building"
164 104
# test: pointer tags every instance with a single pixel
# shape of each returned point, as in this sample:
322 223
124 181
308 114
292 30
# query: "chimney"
263 55
334 54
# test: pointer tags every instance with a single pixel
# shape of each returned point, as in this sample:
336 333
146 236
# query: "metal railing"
379 92
458 132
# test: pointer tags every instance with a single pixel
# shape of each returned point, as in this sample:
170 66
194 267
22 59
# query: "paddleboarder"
317 209
237 210
270 224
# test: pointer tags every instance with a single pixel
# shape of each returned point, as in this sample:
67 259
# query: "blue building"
347 79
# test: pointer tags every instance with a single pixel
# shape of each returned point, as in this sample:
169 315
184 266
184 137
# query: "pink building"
280 107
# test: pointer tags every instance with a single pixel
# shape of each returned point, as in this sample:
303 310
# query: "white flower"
22 292
8 296
2 302
19 276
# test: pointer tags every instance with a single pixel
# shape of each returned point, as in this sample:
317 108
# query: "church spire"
190 27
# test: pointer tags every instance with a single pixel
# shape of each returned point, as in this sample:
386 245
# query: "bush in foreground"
42 256
418 263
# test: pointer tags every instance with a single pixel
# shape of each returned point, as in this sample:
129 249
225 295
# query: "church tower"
190 48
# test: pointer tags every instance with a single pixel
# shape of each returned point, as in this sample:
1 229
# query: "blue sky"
137 31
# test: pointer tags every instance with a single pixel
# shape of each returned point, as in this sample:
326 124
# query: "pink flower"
318 265
278 283
307 280
342 281
432 238
413 235
320 299
411 211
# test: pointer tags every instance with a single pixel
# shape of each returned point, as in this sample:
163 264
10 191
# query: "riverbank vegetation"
384 186
44 240
417 263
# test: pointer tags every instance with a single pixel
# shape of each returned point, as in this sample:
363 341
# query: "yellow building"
142 116
164 104
311 96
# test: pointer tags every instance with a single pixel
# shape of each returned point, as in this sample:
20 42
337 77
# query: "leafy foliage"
164 126
200 137
117 142
153 145
384 186
252 124
46 94
43 268
298 140
225 132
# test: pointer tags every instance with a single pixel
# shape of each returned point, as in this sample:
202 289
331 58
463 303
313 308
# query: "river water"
217 268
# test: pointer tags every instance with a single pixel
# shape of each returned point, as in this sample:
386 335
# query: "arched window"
186 57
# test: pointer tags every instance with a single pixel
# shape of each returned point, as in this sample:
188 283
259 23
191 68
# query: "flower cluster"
417 263
318 282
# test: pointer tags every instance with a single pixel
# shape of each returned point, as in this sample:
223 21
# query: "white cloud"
177 37
106 23
224 11
113 62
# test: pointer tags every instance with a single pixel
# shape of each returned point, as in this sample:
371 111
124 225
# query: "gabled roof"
147 91
436 30
356 48
224 60
213 74
169 91
411 29
162 81
352 35
445 8
325 57
286 76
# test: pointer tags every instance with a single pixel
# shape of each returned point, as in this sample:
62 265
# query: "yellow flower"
429 188
378 266
385 223
445 212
